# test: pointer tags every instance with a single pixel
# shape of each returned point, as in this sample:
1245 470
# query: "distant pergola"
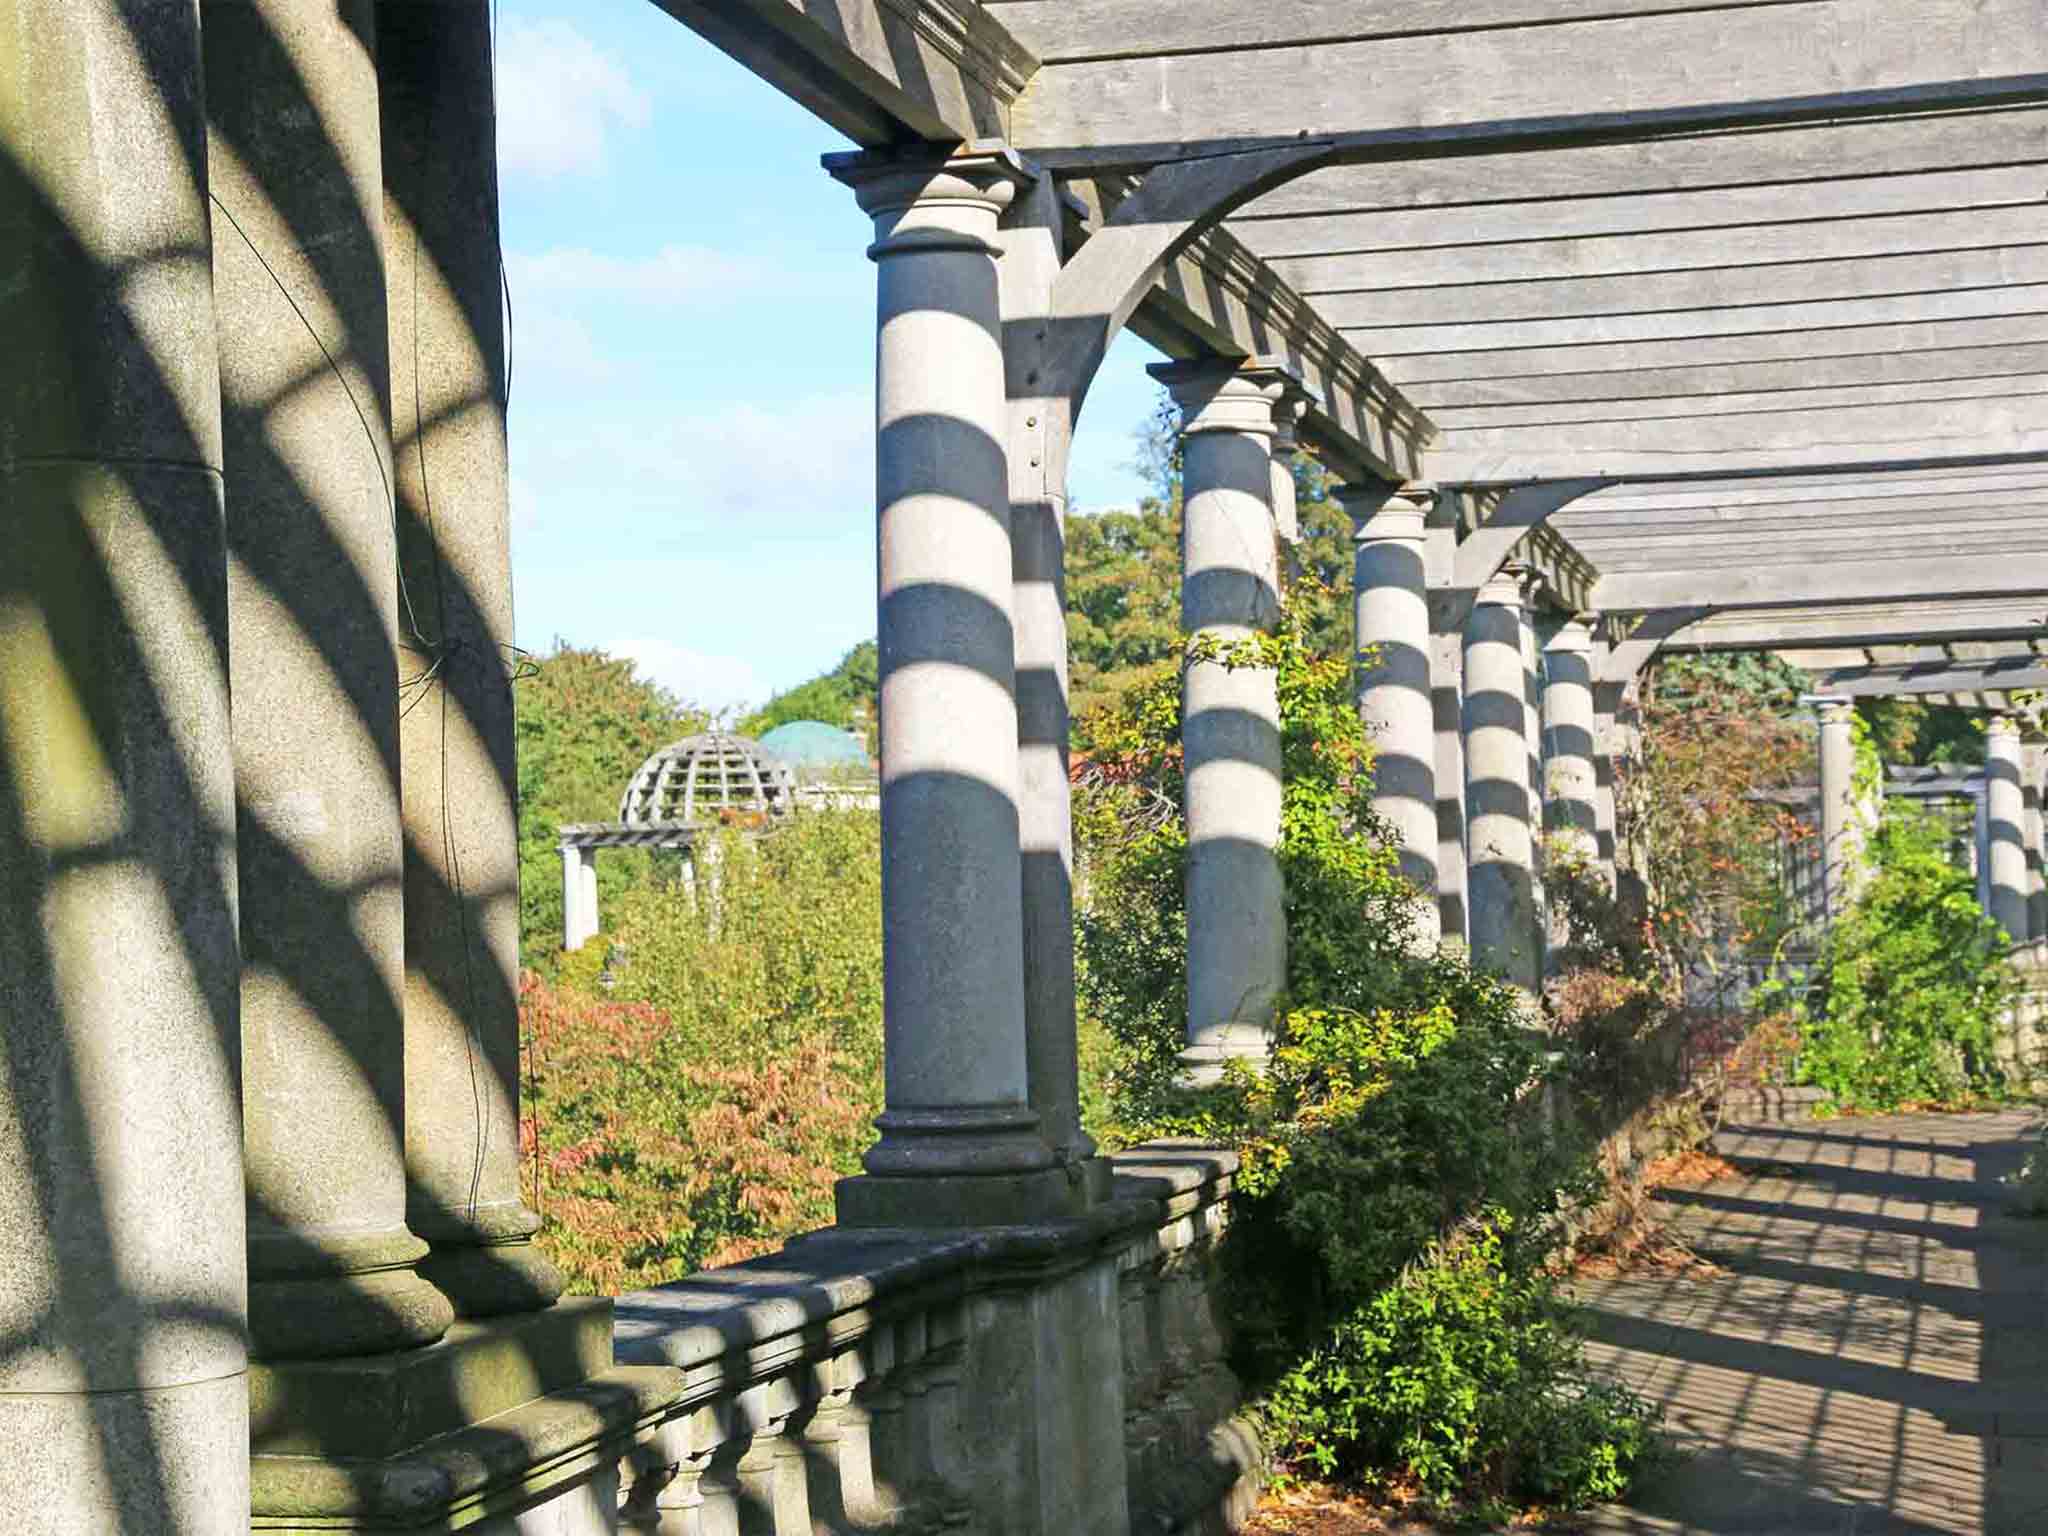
686 790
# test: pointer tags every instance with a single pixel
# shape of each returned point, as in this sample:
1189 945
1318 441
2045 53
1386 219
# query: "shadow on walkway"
1872 1360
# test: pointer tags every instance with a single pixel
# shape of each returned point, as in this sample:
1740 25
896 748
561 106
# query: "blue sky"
693 359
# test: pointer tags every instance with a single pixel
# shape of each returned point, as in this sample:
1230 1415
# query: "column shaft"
455 613
1501 872
298 277
123 1283
1446 687
2033 765
2005 828
1570 741
959 1120
1031 242
1391 623
1841 826
1230 716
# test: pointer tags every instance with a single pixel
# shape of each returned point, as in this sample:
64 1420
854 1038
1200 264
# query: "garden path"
1872 1359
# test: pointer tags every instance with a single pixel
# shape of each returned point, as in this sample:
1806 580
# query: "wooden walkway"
1874 1359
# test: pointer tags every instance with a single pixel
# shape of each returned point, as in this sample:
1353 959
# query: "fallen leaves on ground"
1688 1169
1323 1509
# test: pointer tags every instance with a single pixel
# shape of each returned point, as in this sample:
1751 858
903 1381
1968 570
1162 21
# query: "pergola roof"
1752 295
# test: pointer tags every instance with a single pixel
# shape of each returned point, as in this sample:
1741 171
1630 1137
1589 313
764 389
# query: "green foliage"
700 1112
1706 854
844 696
585 722
1468 1373
1911 730
1123 577
1913 983
1398 1111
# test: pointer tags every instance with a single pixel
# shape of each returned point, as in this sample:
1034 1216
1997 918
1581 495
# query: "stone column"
1230 715
1031 240
1607 754
579 896
1570 745
298 278
1841 826
1287 413
1501 873
123 1282
2033 767
455 660
2005 828
960 1143
1390 603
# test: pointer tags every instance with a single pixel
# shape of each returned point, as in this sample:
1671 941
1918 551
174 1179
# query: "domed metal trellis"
700 777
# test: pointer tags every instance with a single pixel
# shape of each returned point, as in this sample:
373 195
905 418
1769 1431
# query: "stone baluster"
123 1394
459 788
1391 624
298 274
2005 828
1230 717
1501 874
961 1143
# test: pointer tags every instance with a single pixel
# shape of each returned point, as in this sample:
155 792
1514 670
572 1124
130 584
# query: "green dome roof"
812 744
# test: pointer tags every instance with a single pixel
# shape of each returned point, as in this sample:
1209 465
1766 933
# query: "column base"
1202 1063
499 1417
494 1279
315 1295
969 1199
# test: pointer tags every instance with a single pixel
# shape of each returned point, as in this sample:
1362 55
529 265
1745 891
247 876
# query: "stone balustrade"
872 1379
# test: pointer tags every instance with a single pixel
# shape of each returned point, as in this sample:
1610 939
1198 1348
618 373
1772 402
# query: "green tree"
586 721
1123 575
844 696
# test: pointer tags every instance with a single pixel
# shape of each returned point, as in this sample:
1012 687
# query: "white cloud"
559 98
674 274
548 344
747 472
696 677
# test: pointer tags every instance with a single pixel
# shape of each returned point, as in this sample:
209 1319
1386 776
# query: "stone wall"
1065 1379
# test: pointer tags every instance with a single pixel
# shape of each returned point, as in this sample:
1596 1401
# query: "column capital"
1381 510
1575 636
1222 395
1831 708
922 200
1508 587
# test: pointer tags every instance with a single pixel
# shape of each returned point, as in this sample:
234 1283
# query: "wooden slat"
1830 55
1803 152
1577 218
1785 374
1067 31
1692 324
1612 255
1759 347
1694 289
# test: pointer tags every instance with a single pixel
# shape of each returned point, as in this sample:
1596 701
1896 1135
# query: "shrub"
703 1111
1468 1373
1398 1138
1913 984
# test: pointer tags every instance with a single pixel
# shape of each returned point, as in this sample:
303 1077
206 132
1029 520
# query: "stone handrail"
864 1379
